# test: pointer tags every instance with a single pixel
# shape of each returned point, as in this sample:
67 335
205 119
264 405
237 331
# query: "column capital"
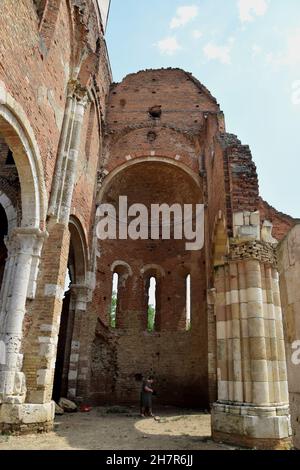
77 91
27 240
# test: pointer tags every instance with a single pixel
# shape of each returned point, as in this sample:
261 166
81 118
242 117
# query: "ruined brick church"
70 139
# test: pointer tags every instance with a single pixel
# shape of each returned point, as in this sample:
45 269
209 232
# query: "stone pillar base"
26 418
252 426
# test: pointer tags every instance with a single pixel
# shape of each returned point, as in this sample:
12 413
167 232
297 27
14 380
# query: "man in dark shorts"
146 397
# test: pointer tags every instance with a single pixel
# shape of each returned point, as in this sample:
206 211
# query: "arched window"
151 307
114 300
188 301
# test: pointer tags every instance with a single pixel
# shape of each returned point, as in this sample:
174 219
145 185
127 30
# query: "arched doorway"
21 177
152 334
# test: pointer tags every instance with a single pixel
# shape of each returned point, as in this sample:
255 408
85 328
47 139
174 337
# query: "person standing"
146 397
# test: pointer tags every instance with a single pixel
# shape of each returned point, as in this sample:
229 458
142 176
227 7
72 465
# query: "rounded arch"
153 270
159 159
18 134
115 267
78 256
11 213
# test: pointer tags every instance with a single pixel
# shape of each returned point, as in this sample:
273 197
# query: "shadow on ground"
121 428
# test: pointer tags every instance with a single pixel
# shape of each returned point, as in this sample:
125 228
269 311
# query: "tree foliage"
151 318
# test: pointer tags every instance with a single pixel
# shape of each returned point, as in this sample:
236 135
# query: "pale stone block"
275 396
238 218
223 390
230 390
249 232
49 328
27 413
243 310
271 327
38 413
236 349
74 358
284 394
259 371
221 330
234 297
243 296
47 339
254 294
244 328
256 327
255 310
269 310
248 391
44 377
282 370
281 350
255 218
72 375
47 350
261 393
54 290
237 371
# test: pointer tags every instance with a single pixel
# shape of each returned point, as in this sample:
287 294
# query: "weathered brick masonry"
70 139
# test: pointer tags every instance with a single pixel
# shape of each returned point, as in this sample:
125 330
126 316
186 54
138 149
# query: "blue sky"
247 53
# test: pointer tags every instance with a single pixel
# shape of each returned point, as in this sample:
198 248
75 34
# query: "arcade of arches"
84 318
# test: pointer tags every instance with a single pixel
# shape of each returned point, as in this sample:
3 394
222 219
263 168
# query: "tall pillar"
79 299
24 249
66 162
252 408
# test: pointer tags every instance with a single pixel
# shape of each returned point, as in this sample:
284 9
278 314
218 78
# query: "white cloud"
296 93
183 16
256 50
220 53
168 45
197 34
291 56
248 9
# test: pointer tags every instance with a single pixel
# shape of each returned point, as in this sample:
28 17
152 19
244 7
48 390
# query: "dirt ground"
118 428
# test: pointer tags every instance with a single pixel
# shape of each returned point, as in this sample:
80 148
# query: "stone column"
252 408
21 267
66 163
79 299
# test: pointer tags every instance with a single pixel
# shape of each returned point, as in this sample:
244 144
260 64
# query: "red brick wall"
177 357
282 223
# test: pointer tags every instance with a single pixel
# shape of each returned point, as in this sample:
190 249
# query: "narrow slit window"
114 300
188 301
151 304
10 158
